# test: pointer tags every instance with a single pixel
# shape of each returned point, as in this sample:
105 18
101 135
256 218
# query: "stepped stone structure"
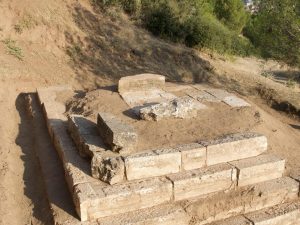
229 180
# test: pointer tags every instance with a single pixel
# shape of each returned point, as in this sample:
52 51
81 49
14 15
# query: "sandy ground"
110 47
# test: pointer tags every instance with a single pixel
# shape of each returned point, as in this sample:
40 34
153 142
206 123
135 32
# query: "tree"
232 13
276 30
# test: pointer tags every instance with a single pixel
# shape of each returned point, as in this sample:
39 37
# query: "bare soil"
71 42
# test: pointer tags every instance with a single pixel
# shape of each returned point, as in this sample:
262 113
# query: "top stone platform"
140 82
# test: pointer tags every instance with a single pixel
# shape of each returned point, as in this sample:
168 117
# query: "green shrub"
13 49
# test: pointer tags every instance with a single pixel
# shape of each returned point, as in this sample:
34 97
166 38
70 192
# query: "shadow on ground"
33 181
111 48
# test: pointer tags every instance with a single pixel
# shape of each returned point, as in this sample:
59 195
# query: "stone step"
223 205
59 197
282 214
287 214
94 199
234 147
258 169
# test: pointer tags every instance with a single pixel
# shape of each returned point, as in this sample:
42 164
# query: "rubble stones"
184 107
108 169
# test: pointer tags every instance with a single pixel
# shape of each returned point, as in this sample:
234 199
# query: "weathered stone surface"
161 215
118 135
235 147
201 95
85 135
152 163
284 214
184 107
109 169
193 156
238 220
219 93
258 169
203 181
235 101
146 97
141 82
93 201
247 199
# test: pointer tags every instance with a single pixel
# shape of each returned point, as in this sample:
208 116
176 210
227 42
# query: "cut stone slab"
223 205
201 95
238 220
119 136
153 163
203 181
284 214
235 147
85 135
219 93
193 156
183 107
141 82
258 169
146 97
93 201
235 101
161 215
109 169
228 98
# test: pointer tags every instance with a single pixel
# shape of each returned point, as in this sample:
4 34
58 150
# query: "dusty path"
22 197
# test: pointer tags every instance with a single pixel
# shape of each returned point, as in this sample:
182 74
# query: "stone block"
144 98
193 156
201 96
235 147
162 215
85 135
153 163
119 136
237 220
223 205
258 169
108 168
195 183
183 107
93 201
283 214
219 93
141 82
235 101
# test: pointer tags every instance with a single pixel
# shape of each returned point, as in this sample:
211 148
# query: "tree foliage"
275 30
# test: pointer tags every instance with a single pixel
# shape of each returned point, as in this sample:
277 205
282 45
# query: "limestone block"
118 135
235 101
287 214
183 107
160 215
273 192
85 135
144 98
203 181
201 95
237 220
258 169
153 163
109 169
193 156
223 205
141 82
235 147
93 201
219 93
